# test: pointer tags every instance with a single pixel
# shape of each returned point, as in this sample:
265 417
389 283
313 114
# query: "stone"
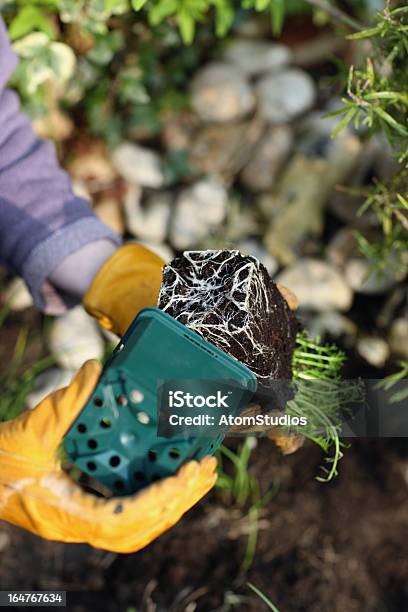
54 125
253 25
341 247
317 284
109 211
199 210
147 220
256 249
333 324
363 278
92 165
316 49
162 250
296 207
17 295
80 189
5 540
220 92
283 97
374 350
47 382
225 149
139 165
214 147
399 337
177 129
268 158
74 338
254 57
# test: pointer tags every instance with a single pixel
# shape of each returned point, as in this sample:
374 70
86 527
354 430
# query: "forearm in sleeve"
41 221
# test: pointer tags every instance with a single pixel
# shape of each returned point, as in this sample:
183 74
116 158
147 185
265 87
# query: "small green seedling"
321 396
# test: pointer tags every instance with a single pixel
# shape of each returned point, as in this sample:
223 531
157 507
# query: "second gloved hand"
127 282
36 494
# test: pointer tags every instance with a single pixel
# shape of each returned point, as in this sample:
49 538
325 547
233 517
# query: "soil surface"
337 546
340 546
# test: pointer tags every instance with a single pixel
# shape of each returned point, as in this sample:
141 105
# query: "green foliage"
118 65
390 204
30 19
263 597
104 44
188 13
322 396
390 381
15 386
241 485
377 101
243 490
43 59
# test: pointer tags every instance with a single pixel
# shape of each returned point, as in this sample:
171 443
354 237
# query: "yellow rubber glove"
37 495
127 282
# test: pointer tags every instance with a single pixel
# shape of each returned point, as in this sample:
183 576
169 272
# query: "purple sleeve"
41 221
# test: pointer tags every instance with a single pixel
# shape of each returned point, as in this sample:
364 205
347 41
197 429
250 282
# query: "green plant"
322 397
377 101
376 93
390 205
14 385
390 381
118 66
241 484
243 489
263 597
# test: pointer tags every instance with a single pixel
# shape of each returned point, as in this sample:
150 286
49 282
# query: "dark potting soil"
230 300
340 546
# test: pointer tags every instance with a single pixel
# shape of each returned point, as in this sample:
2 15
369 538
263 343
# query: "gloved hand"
37 495
127 282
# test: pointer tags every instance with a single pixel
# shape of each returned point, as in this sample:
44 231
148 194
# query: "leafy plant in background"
120 64
377 102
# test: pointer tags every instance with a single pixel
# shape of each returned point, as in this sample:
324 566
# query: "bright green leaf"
277 14
391 121
365 33
138 4
403 201
161 10
187 26
349 116
29 19
224 16
261 5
